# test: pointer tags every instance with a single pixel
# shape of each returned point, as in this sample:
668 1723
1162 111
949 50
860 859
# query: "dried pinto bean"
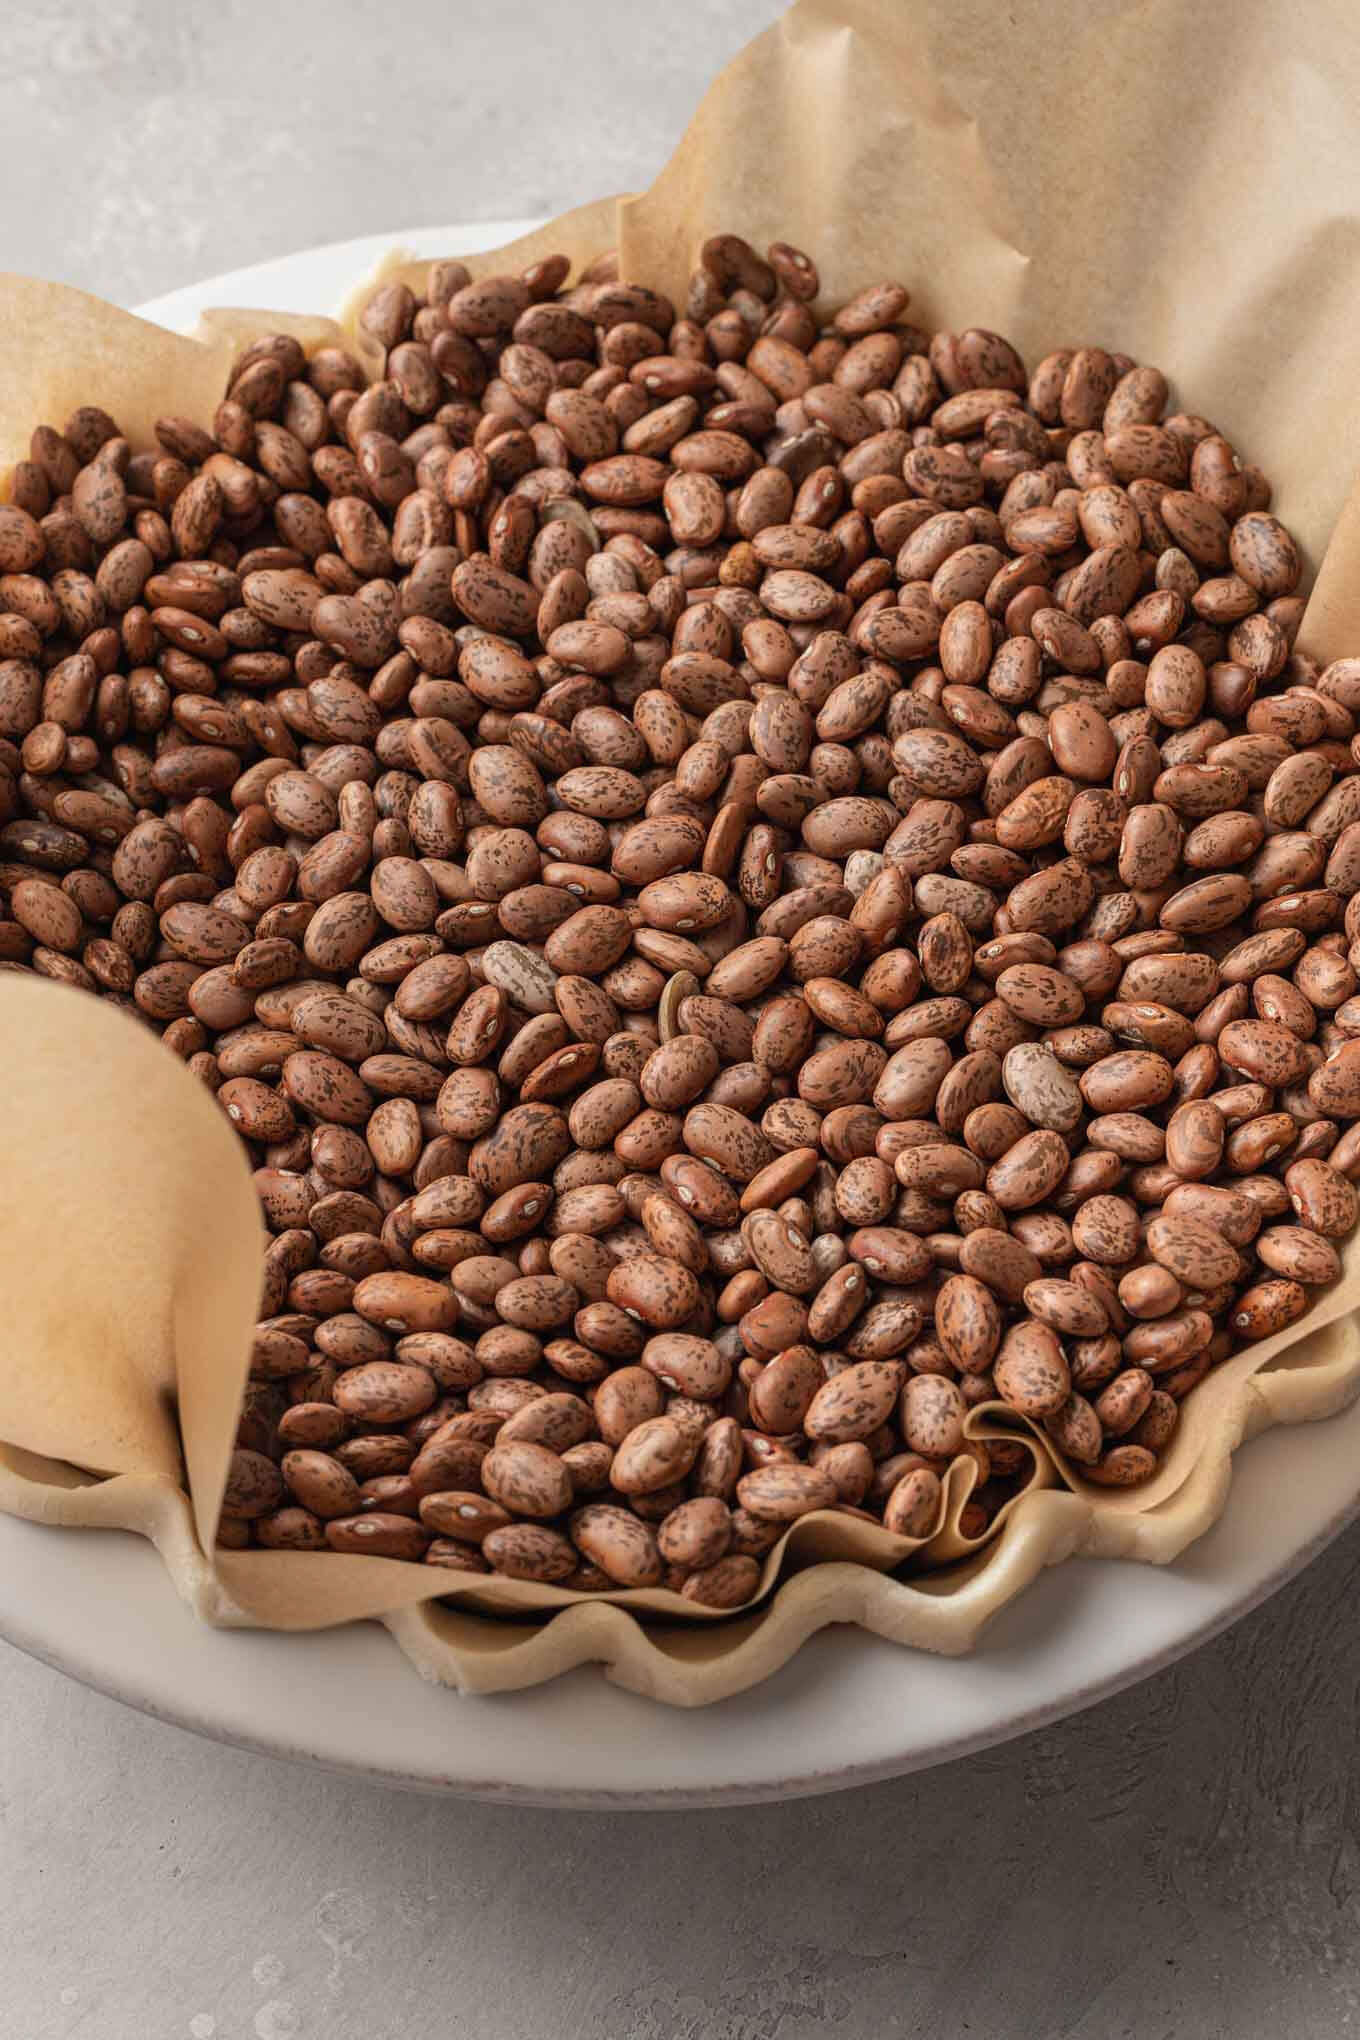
730 934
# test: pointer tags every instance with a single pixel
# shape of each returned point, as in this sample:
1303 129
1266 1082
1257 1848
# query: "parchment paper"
1159 177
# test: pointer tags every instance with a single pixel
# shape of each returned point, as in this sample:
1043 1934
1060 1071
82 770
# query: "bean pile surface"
752 881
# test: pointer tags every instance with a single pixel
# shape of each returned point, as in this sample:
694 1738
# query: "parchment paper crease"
1158 177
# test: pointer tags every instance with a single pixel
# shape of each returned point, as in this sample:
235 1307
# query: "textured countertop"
1183 1860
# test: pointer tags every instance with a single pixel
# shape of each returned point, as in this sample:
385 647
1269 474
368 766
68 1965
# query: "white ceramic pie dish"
847 1709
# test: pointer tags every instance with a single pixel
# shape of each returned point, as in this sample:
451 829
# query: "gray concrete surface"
1184 1860
166 140
1182 1863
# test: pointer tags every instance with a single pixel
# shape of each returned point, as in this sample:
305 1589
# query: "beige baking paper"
1161 178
